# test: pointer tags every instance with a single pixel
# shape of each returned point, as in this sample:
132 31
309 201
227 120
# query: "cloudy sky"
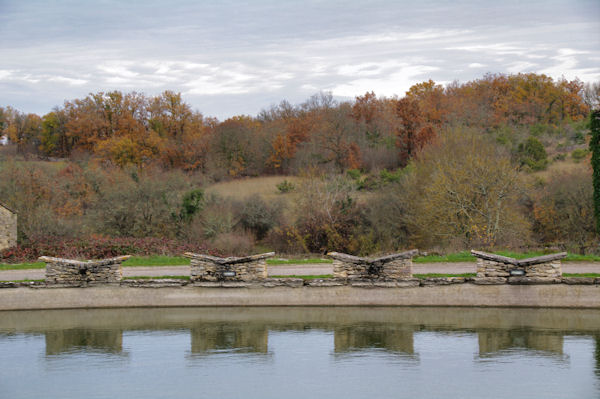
232 57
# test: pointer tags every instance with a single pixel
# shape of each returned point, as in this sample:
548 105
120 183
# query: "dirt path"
298 270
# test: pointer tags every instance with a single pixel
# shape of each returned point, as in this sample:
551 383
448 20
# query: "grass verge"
581 274
156 277
435 275
309 277
21 266
465 256
157 260
275 262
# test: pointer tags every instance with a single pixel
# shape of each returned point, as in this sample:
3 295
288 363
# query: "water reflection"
240 338
301 352
497 343
246 330
392 338
83 340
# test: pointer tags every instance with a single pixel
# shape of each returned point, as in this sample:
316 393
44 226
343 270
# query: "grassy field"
265 186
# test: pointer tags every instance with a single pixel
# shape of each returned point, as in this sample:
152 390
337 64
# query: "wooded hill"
479 163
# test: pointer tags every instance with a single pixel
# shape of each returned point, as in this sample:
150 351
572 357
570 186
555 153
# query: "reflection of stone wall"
496 266
8 228
77 273
61 341
240 338
391 267
212 268
390 338
492 342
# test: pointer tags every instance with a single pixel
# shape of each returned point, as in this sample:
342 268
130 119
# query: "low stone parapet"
538 269
76 273
390 267
211 268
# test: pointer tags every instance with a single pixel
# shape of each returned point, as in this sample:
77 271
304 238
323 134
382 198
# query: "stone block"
534 280
74 273
489 280
543 267
387 268
214 269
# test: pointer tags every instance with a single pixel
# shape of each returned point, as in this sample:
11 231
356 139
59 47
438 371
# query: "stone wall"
80 274
211 268
8 228
391 267
504 269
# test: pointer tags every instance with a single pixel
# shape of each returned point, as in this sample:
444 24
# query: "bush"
579 154
285 187
259 217
234 244
533 154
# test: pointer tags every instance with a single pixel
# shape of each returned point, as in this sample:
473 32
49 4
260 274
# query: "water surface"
300 353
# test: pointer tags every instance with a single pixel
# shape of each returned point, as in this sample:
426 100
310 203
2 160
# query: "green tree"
533 154
595 148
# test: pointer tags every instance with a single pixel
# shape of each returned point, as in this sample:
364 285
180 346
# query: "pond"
300 353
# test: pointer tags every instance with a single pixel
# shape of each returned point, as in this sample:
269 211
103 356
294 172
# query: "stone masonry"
501 268
8 228
212 268
77 273
390 267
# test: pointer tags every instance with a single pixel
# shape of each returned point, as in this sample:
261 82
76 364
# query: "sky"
233 57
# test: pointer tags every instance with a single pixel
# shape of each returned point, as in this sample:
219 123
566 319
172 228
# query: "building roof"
10 209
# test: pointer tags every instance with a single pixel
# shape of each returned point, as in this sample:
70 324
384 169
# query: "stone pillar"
82 273
391 267
540 268
212 268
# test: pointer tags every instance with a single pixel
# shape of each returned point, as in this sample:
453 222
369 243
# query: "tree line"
368 133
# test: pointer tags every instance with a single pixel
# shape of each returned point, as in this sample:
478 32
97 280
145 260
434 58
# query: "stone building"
8 227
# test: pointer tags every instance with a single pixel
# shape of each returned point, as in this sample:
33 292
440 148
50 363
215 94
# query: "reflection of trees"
61 341
241 338
389 337
491 343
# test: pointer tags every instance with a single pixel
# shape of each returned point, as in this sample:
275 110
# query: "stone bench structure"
504 269
206 268
78 273
391 267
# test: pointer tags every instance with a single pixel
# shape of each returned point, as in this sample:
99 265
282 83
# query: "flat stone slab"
372 261
230 260
519 262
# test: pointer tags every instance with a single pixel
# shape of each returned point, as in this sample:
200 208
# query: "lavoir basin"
300 352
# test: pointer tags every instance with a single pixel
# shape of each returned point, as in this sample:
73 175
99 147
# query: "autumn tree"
413 131
464 187
563 211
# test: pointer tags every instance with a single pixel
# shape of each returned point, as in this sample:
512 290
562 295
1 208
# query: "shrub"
533 154
285 186
259 217
234 244
579 154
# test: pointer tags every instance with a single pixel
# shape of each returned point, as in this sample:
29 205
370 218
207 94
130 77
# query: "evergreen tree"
595 148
